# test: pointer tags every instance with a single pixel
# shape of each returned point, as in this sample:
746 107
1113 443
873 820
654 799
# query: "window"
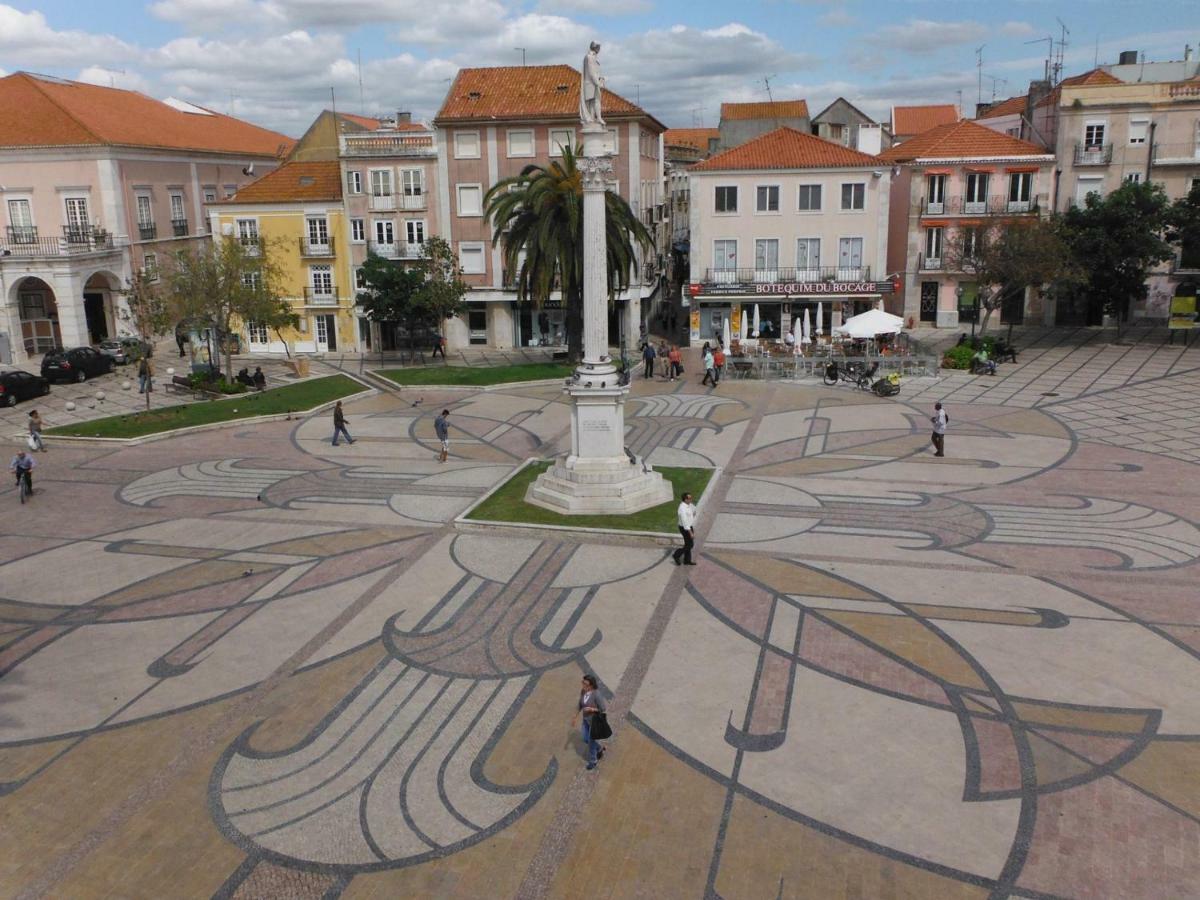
767 198
1013 132
1020 186
210 195
358 230
257 332
318 231
247 231
412 182
559 138
414 231
1085 186
1093 134
854 196
612 145
470 257
20 221
1138 130
808 253
466 145
933 246
935 191
470 200
972 241
145 213
321 279
1133 178
766 256
385 232
850 251
354 182
360 280
230 190
977 188
77 218
520 143
150 266
381 182
726 201
725 259
251 280
177 213
810 198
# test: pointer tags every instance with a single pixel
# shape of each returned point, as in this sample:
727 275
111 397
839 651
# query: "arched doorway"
100 307
38 310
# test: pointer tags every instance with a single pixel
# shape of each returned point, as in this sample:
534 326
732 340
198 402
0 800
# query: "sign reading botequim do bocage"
798 288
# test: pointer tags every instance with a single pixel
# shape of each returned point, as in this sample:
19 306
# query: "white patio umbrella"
757 321
742 326
726 331
807 329
871 323
817 324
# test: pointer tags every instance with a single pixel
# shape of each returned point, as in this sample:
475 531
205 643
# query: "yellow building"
297 211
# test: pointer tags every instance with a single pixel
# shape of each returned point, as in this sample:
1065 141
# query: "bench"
1003 351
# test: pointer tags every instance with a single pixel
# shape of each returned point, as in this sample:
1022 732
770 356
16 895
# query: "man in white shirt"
687 527
940 420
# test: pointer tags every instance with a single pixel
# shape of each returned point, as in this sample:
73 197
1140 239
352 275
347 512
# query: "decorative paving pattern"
255 665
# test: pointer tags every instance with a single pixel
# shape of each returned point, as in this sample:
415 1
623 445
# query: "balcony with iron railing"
1177 154
999 205
1093 154
787 275
375 144
412 201
179 227
397 250
147 231
382 202
25 242
927 263
309 247
252 245
320 295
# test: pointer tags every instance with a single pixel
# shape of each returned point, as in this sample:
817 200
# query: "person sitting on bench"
243 377
982 363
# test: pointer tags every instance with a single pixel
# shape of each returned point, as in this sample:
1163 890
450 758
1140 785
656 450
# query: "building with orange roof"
950 186
783 222
296 213
741 122
98 182
494 122
908 121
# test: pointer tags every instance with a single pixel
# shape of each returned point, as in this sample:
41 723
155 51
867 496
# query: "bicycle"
24 485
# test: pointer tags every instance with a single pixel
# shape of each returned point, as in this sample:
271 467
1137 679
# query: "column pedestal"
598 476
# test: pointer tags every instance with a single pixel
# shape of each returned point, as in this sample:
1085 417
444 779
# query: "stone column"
596 168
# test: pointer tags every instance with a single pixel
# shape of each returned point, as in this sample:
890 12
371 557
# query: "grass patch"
508 504
289 398
478 375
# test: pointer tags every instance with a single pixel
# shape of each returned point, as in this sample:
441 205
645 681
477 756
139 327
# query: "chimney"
870 139
1128 58
403 118
1187 52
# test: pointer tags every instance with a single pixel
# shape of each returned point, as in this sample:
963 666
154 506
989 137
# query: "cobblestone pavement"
247 663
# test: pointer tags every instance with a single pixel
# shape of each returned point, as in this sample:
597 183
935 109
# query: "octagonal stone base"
606 486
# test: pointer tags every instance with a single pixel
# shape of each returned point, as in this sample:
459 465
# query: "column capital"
596 171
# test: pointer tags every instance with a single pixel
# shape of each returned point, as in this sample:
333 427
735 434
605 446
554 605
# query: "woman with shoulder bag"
595 719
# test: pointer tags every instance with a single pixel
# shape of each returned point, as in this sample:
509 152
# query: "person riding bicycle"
22 466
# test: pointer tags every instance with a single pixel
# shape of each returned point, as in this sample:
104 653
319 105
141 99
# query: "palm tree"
537 218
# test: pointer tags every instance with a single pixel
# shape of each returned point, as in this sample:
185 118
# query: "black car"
77 364
16 385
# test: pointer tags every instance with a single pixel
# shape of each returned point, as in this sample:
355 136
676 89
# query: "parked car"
76 364
17 385
125 349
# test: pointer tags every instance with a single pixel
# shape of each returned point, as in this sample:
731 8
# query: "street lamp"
958 293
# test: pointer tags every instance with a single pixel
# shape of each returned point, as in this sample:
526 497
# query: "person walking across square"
675 358
940 420
35 432
442 427
686 516
648 355
719 364
710 372
145 376
339 424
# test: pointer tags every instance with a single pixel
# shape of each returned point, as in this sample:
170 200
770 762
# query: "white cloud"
1016 29
26 39
924 35
596 7
125 79
838 17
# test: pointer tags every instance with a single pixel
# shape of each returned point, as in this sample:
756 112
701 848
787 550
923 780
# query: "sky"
274 62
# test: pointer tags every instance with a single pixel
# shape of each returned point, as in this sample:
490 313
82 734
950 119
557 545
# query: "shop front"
778 305
539 326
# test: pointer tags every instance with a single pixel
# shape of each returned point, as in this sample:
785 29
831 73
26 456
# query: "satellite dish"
249 170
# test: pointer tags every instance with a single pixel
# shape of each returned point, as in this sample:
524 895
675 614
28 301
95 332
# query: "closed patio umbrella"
817 324
742 326
807 329
757 321
726 331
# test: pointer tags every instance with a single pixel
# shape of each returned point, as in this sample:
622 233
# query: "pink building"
94 182
493 123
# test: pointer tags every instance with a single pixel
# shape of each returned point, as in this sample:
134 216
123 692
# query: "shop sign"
790 288
1183 314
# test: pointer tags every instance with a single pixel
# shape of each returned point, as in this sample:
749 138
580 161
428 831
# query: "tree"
145 309
537 219
226 283
1183 227
1006 258
441 295
1115 241
389 293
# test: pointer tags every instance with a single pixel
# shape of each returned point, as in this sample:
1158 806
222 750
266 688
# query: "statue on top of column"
590 86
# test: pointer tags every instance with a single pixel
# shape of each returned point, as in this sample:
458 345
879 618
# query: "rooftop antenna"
959 93
1096 57
638 93
332 100
1062 47
771 98
362 103
979 71
995 81
112 81
522 51
1049 52
697 116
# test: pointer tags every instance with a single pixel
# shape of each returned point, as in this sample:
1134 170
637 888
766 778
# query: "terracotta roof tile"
294 181
523 92
1095 76
770 109
908 120
365 121
1009 107
786 148
690 137
44 112
958 140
